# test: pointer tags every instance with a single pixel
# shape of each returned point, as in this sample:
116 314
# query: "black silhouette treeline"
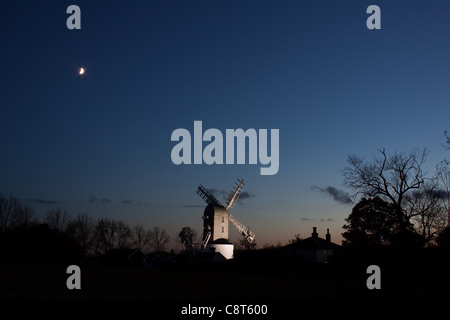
373 225
62 238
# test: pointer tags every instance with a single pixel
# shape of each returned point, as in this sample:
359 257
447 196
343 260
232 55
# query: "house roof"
210 256
313 243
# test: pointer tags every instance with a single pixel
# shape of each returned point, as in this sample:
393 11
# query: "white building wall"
227 250
220 224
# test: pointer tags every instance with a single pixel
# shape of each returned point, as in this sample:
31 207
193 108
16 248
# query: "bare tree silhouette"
82 230
425 208
443 177
104 235
10 209
57 219
141 236
159 239
24 216
123 235
390 177
112 234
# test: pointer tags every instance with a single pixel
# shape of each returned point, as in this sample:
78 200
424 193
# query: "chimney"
328 236
314 235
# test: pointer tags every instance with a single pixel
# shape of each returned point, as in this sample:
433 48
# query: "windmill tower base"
225 249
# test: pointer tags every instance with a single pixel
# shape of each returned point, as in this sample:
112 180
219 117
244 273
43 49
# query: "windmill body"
216 220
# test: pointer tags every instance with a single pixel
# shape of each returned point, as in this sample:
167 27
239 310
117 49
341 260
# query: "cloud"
430 193
218 192
42 201
338 195
320 219
94 199
247 195
222 194
126 201
442 194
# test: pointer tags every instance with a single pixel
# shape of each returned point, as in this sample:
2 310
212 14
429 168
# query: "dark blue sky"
100 143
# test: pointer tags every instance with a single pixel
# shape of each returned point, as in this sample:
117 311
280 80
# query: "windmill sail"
207 196
234 194
245 231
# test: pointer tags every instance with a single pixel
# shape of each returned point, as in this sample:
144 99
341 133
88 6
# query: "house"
125 257
210 256
162 260
312 249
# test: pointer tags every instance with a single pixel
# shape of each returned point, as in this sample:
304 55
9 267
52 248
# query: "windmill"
216 220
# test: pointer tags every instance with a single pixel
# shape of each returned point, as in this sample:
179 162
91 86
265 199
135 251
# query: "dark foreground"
244 279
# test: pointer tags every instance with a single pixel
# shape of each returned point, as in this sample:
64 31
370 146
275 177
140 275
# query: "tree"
24 216
57 219
443 178
112 234
425 208
373 222
446 144
278 245
158 239
390 177
82 230
297 238
443 240
123 235
141 236
104 234
245 244
187 236
10 209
